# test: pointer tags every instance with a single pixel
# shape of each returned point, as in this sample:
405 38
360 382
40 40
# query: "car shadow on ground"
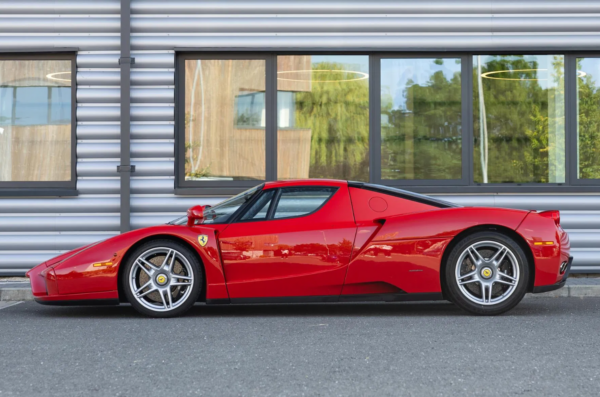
528 307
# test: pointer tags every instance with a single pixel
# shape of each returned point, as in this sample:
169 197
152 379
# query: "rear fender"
407 251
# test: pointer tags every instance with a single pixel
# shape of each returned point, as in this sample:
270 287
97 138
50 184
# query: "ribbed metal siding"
35 229
159 26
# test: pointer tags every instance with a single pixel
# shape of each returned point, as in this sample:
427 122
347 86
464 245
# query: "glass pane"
588 118
221 212
260 208
225 119
421 119
34 144
323 117
301 201
519 123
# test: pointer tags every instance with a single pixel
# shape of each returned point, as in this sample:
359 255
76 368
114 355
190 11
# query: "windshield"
222 212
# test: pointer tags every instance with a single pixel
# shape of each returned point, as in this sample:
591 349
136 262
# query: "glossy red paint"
538 228
303 256
407 251
360 242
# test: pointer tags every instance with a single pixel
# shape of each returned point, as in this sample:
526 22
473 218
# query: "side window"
260 208
298 201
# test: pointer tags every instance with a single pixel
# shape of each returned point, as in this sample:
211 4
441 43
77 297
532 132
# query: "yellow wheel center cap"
161 279
486 272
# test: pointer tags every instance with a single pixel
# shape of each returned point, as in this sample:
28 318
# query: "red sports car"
318 241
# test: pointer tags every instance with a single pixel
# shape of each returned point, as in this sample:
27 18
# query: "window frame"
464 185
49 188
375 122
275 203
222 187
571 106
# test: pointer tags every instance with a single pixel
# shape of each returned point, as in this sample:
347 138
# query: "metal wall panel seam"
485 24
82 42
143 78
363 7
59 25
158 60
138 95
59 7
373 42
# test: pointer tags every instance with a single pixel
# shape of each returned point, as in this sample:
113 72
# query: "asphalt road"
547 346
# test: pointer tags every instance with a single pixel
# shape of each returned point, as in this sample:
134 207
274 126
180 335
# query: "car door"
290 242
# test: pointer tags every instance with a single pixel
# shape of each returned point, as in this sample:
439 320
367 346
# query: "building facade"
116 115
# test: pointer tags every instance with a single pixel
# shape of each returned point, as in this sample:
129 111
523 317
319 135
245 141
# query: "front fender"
96 269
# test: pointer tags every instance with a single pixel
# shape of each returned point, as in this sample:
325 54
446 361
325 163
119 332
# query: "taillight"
552 214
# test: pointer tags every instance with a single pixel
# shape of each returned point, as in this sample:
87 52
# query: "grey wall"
35 229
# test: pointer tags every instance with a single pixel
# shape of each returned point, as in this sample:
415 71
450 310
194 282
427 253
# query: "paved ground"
546 346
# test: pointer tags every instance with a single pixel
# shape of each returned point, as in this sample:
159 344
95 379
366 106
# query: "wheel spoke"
162 297
175 275
169 294
483 292
513 283
479 259
145 262
166 260
507 276
142 287
467 275
146 293
490 287
501 253
141 266
184 284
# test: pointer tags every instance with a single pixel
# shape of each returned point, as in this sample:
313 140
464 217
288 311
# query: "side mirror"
196 214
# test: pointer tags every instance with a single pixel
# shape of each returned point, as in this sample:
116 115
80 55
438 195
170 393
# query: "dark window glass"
260 208
222 212
323 117
588 118
300 201
421 119
519 120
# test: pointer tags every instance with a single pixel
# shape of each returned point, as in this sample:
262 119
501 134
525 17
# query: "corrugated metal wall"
159 26
34 229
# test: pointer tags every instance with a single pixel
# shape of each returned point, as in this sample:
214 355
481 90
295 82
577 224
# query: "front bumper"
552 287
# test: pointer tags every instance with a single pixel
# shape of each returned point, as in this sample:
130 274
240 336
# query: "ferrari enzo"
318 241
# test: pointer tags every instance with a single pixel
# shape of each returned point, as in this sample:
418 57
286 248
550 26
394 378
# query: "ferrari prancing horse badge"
202 239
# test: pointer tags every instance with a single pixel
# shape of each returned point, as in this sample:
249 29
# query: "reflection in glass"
421 119
35 121
519 124
323 117
225 119
299 201
588 118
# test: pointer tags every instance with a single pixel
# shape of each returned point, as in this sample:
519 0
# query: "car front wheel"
487 273
162 278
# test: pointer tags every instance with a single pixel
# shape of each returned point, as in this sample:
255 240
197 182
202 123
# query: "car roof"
306 182
392 191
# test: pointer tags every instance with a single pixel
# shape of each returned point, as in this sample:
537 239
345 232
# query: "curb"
15 294
568 291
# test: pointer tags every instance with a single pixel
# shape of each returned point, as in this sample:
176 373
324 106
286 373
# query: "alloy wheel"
161 279
487 272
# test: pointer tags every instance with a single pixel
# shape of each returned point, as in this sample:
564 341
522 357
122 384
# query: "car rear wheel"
162 278
487 273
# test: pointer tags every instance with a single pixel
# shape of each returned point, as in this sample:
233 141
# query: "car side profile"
318 241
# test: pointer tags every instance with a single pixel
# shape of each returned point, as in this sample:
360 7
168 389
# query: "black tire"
184 261
508 296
